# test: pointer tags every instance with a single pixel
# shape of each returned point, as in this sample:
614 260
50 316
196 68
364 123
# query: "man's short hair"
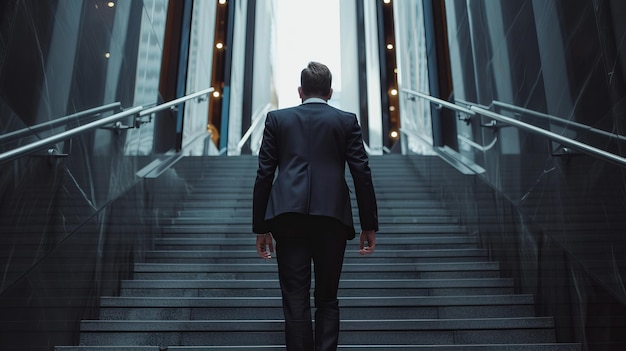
316 80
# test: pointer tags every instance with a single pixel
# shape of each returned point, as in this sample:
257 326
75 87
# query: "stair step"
361 301
381 252
219 219
344 283
368 287
188 243
348 268
243 215
348 275
387 242
412 347
384 213
276 312
195 228
247 203
270 332
398 225
350 271
362 307
381 198
382 256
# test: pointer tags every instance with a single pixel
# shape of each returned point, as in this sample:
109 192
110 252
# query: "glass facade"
149 49
552 217
199 68
413 74
234 92
60 58
264 96
73 226
252 88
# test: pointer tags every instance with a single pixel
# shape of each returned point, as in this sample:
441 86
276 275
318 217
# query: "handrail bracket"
464 117
138 121
52 153
564 152
493 124
141 120
118 127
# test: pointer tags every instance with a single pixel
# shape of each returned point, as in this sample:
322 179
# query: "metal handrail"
438 101
138 111
46 142
588 149
555 119
415 134
261 112
58 122
174 102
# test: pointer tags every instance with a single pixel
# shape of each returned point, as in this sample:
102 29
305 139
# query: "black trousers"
300 240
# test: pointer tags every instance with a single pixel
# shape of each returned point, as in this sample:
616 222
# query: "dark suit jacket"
310 145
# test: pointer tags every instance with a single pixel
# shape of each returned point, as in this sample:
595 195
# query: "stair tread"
236 254
216 239
344 283
364 301
347 267
404 347
346 325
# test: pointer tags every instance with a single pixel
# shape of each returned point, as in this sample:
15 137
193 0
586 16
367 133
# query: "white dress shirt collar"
314 100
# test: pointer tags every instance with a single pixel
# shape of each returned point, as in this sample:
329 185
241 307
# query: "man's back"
310 144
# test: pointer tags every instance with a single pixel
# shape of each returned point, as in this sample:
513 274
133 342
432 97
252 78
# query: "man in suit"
307 208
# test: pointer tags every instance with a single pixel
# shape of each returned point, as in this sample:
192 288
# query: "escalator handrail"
480 110
133 111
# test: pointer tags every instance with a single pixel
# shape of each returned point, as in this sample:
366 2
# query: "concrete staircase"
427 287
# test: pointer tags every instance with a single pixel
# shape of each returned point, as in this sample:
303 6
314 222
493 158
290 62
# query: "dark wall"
43 307
72 227
556 222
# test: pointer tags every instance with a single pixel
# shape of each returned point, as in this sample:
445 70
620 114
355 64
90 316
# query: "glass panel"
59 58
413 73
199 68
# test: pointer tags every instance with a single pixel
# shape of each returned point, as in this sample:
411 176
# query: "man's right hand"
264 245
368 242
